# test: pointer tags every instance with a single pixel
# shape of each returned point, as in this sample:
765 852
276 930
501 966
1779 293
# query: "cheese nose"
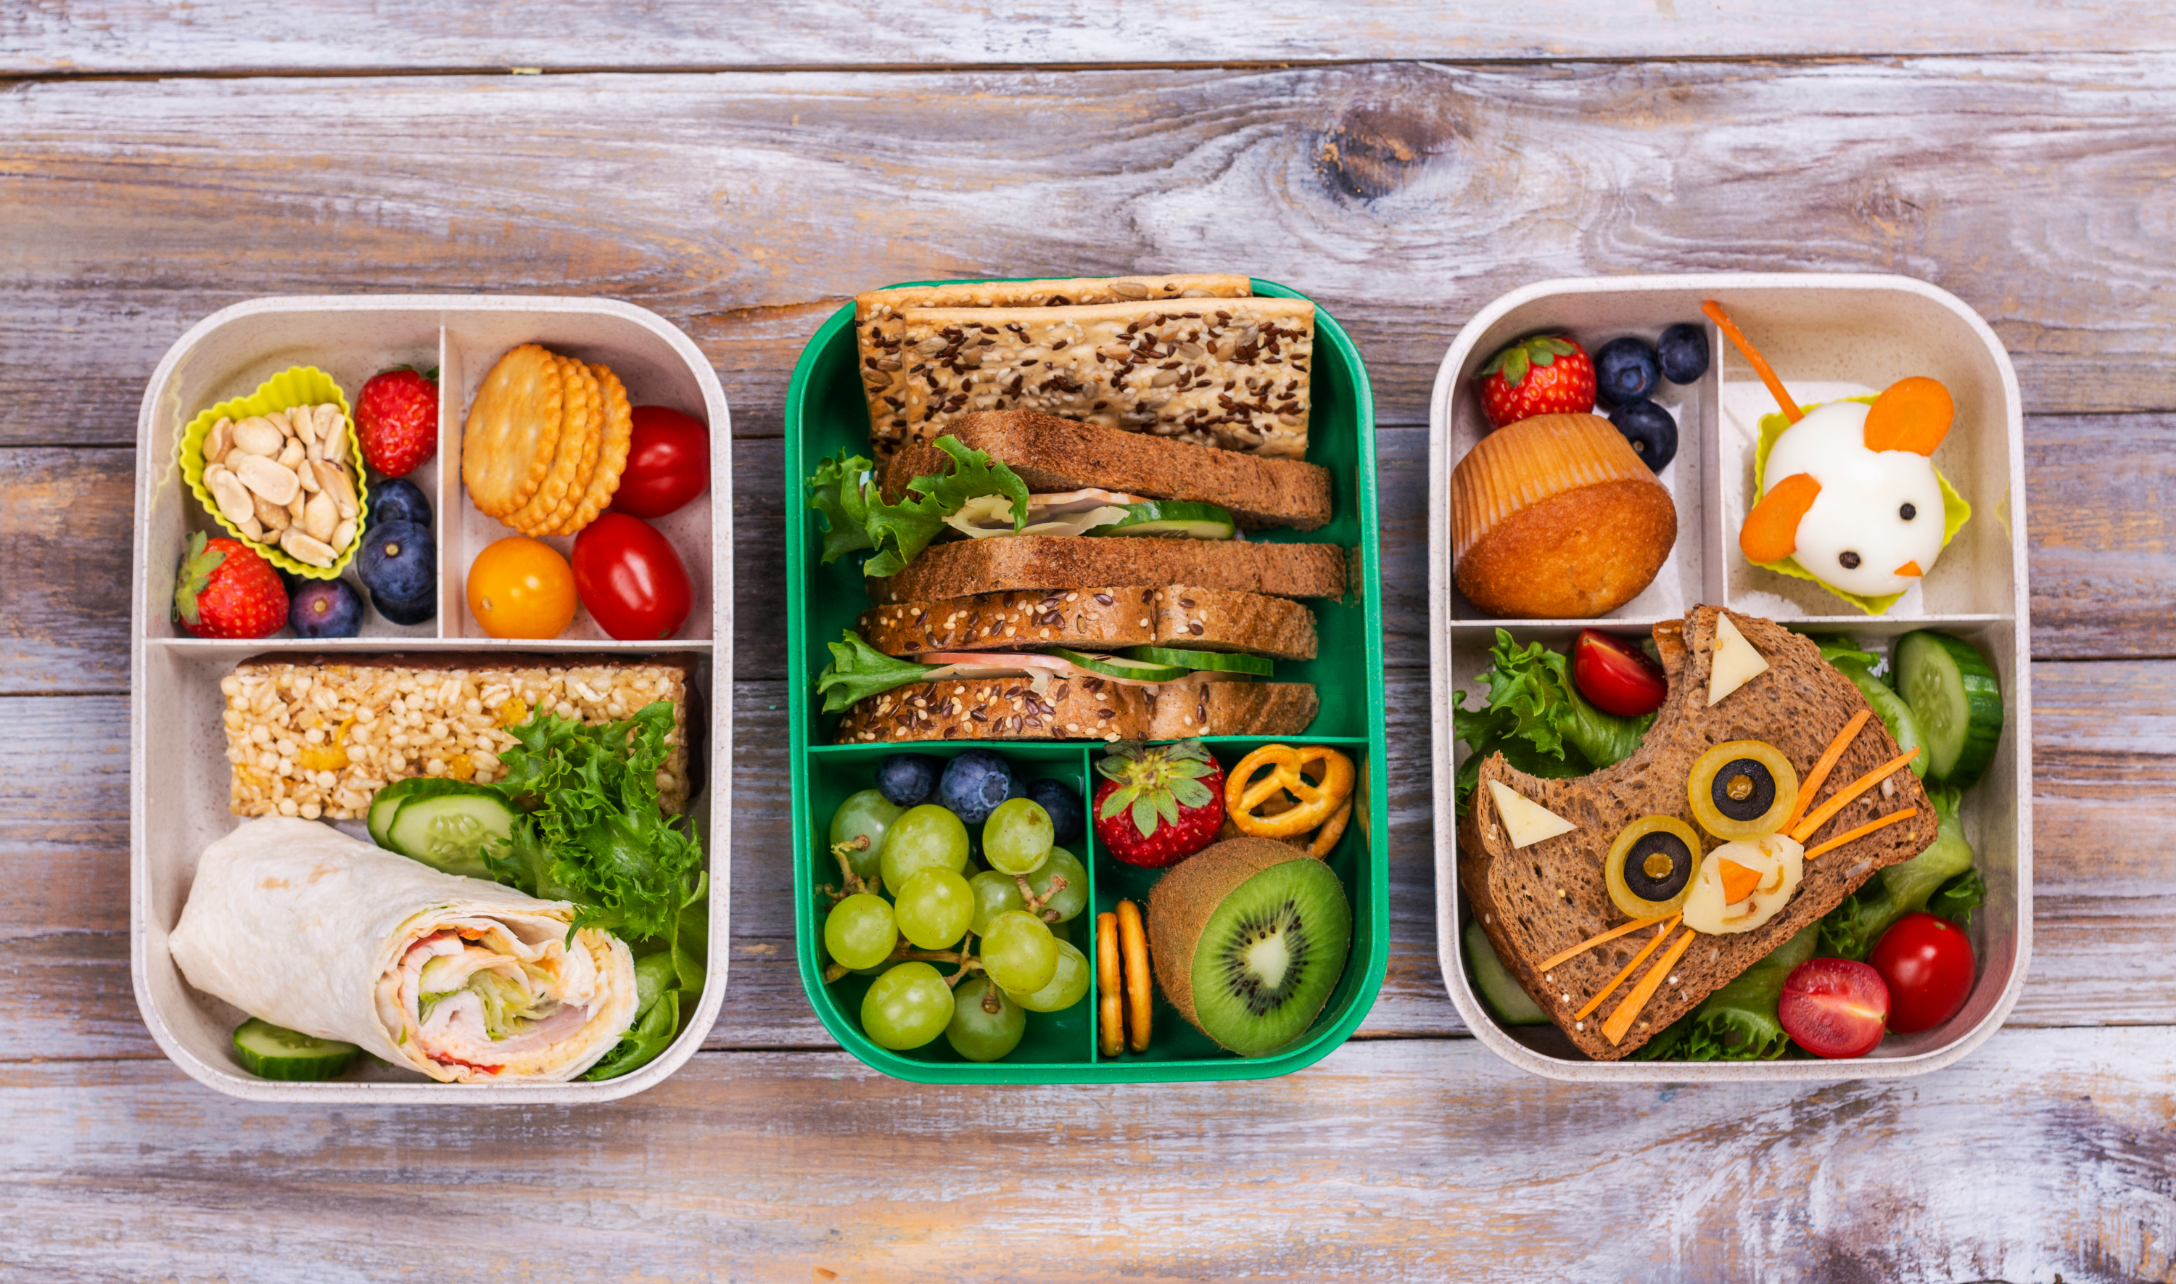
1909 568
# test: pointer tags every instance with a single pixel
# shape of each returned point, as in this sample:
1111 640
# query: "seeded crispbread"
879 324
1537 901
1080 709
1074 562
1213 372
1095 619
1054 455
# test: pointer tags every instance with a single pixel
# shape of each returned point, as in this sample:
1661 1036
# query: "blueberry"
398 562
974 784
1650 430
1625 370
1062 801
905 779
1019 789
403 610
325 609
398 500
1683 351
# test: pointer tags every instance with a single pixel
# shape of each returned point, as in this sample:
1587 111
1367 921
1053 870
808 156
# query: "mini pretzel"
1133 946
1317 802
1332 830
1111 1027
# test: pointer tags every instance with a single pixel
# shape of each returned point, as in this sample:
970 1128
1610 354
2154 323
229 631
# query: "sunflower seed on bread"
1072 562
1213 372
1095 619
879 324
1080 709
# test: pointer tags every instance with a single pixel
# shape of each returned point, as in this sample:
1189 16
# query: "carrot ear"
1770 533
1912 414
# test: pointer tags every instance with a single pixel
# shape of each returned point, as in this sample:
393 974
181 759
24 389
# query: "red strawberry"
1156 807
1542 374
225 590
396 419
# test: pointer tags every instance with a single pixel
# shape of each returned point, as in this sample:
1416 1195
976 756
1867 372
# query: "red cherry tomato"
1926 961
1834 1007
668 463
1617 677
631 579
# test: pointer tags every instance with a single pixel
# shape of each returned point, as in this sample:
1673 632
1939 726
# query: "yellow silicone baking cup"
294 386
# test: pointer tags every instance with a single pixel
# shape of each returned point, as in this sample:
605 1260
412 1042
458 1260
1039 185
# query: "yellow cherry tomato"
521 588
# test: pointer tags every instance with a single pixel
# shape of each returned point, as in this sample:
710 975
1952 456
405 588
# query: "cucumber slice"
1895 714
446 824
1172 518
1111 666
1212 661
272 1052
387 802
1958 701
1507 1001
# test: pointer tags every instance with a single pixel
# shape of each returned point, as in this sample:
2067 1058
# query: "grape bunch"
957 949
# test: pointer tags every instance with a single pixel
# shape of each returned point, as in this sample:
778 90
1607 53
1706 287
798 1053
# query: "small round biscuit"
1140 991
564 481
1111 1026
512 430
619 434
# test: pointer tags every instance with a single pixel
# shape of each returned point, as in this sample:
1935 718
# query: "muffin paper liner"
294 386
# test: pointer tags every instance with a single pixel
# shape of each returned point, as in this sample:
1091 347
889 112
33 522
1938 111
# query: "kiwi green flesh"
1269 955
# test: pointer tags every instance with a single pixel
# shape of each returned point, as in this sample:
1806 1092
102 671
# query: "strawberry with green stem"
1542 374
224 589
1156 807
396 419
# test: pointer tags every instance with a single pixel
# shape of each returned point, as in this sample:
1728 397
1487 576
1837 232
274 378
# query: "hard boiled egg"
1742 885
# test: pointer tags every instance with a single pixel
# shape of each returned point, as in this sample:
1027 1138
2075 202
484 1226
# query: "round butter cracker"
513 429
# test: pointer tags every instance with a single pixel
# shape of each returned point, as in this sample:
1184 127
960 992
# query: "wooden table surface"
742 170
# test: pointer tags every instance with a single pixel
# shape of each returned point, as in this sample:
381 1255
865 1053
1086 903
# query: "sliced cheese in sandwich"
1527 821
1736 662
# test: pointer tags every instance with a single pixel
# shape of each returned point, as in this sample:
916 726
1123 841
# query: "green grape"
977 1033
1017 836
926 837
866 814
1070 899
1068 985
906 1007
859 931
994 894
1019 952
935 908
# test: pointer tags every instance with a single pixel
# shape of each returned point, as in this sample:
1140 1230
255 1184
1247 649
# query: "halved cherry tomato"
1834 1007
521 588
1926 961
631 579
668 463
1616 676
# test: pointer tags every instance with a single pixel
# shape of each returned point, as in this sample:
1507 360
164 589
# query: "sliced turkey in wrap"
464 980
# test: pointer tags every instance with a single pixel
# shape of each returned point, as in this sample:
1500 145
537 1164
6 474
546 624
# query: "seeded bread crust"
1214 372
879 323
1054 455
1080 709
1537 901
1046 562
1095 619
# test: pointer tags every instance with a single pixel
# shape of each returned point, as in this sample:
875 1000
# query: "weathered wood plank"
137 37
2101 521
1419 1161
1404 196
66 532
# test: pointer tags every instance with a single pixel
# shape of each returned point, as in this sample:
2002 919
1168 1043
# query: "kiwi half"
1248 938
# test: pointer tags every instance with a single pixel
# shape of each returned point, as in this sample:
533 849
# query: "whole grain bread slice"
1054 455
1080 709
1095 619
967 567
880 321
1537 901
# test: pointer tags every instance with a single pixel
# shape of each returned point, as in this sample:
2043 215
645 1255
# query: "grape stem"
855 883
903 953
1035 904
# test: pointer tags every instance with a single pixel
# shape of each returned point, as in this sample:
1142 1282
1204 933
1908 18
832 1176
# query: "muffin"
1557 517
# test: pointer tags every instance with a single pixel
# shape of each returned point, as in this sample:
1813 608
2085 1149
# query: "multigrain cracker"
614 441
512 432
574 458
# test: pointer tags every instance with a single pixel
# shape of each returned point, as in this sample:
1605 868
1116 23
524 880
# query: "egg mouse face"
1876 525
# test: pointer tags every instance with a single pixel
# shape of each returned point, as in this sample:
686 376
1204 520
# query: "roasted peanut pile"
281 478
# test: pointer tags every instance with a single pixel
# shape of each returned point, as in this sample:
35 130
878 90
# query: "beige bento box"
178 788
1827 336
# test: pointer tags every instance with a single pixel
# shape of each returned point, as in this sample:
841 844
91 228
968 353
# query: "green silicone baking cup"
294 386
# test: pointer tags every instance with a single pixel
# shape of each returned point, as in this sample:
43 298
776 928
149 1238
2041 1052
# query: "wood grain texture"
138 37
745 207
1387 1161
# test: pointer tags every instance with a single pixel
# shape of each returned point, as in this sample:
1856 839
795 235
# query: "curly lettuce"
1537 719
1850 930
858 671
857 516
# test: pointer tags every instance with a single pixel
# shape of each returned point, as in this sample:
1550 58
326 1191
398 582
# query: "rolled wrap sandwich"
464 980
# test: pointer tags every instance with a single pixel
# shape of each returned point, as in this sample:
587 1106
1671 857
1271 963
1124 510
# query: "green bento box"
825 413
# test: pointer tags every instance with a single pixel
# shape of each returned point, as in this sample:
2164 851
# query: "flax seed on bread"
1079 709
1536 901
1054 455
1075 562
1095 619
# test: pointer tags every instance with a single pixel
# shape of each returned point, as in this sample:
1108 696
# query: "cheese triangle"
1736 662
1528 822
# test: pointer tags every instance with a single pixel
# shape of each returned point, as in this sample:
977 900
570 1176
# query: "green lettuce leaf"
1850 930
857 516
1537 719
836 490
1956 899
1738 1022
1955 513
858 671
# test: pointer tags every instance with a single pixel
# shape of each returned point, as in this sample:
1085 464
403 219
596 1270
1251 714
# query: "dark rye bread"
1537 901
1054 455
1080 709
967 567
1095 619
